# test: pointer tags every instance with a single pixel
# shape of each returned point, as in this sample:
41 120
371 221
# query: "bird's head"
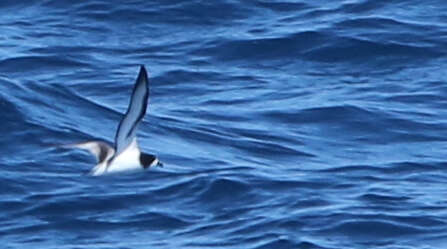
148 160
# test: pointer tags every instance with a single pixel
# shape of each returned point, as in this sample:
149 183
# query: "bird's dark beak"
159 164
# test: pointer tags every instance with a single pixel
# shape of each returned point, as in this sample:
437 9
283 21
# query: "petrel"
125 155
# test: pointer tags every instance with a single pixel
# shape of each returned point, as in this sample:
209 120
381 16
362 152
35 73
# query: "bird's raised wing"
137 108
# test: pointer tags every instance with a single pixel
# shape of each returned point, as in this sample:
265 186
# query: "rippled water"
281 124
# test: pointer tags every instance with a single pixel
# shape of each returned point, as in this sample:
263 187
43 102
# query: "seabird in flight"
125 155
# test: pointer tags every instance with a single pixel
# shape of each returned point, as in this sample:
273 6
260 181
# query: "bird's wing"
137 109
100 150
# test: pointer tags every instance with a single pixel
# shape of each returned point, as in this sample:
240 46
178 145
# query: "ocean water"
281 124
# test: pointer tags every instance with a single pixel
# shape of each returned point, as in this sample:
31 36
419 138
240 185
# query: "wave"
281 124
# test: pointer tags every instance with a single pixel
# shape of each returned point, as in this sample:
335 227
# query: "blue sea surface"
281 124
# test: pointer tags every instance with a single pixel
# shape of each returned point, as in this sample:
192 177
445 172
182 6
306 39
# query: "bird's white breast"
128 160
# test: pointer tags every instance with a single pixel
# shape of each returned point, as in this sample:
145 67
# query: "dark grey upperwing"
100 150
137 108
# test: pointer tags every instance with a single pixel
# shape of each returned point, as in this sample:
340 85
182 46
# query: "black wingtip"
143 72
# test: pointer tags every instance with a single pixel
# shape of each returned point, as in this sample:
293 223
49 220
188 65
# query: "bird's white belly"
126 161
117 166
129 160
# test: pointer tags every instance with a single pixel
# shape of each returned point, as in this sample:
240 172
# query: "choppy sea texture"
281 124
